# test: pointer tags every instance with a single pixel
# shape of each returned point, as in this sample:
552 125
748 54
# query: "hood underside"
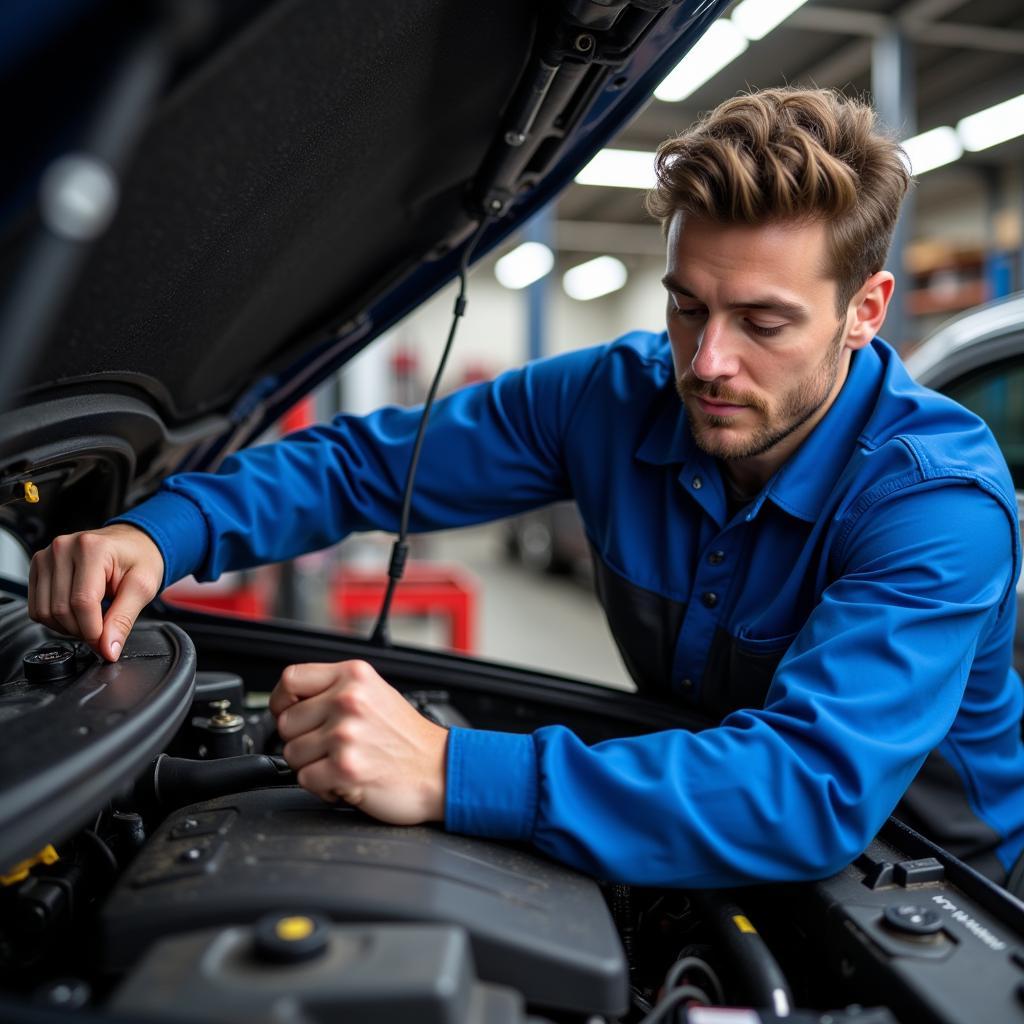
309 174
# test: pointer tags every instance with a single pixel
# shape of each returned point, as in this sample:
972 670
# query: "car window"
996 394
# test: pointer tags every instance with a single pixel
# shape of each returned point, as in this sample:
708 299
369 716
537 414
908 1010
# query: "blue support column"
540 229
892 87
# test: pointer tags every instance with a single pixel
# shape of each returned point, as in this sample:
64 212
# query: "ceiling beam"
928 10
916 28
967 37
852 60
602 237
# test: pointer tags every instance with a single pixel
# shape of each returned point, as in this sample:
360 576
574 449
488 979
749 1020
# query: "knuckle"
121 621
346 762
63 543
82 600
359 669
343 732
349 699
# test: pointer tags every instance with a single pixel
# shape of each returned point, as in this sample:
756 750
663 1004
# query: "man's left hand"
349 734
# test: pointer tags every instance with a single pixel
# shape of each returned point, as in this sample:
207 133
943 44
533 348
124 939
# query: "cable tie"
399 555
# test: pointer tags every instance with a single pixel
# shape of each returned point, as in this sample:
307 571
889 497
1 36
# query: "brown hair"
791 154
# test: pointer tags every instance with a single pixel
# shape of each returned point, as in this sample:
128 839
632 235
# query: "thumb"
130 598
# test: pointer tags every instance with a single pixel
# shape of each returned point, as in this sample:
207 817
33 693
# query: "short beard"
797 408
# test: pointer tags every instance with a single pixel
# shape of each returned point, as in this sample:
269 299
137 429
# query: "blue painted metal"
540 229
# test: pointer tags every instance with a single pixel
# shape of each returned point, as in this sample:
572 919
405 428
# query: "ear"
867 309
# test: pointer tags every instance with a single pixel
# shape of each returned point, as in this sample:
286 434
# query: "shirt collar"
806 478
804 481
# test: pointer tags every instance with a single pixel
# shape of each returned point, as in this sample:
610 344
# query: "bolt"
584 43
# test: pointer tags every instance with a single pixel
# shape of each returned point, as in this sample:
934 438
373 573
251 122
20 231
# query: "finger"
300 681
132 595
39 587
321 779
60 585
306 749
302 717
88 586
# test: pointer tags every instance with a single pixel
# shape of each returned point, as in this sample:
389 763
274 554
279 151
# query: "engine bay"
159 863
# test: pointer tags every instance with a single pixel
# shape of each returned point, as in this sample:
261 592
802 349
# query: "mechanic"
789 534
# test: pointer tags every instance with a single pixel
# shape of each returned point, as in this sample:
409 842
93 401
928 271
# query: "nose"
716 356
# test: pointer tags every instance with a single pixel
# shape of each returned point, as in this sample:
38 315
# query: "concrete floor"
524 617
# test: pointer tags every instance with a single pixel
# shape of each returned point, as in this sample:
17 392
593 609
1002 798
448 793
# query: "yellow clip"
47 855
31 492
743 924
292 929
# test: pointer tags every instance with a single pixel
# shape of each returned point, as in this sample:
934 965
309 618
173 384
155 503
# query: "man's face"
758 347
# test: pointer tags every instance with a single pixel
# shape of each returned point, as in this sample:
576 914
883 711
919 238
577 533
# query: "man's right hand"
68 581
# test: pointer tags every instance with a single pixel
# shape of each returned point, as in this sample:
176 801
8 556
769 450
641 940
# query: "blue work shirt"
849 629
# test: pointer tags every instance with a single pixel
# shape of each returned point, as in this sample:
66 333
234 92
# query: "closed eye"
693 313
764 332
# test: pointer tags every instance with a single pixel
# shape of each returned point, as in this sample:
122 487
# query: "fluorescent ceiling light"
992 126
594 278
525 264
756 18
623 168
723 42
933 149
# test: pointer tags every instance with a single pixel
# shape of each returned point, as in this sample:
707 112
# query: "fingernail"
115 647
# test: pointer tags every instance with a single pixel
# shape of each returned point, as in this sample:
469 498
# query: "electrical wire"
673 1000
693 963
400 549
101 845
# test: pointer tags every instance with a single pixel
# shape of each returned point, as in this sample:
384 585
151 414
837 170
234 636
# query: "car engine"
161 864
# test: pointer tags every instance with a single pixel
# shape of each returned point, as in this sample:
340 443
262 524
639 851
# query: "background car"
978 360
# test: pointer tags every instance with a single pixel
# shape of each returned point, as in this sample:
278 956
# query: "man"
808 547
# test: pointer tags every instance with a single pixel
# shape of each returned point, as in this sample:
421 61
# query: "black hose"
760 972
177 782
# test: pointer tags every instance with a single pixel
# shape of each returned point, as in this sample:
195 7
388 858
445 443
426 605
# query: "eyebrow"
793 310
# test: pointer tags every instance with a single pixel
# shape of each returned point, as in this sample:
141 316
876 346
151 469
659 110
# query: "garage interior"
928 66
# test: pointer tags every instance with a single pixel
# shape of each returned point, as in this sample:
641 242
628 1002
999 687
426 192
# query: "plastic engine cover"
534 925
364 974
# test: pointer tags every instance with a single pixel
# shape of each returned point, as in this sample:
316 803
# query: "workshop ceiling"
964 56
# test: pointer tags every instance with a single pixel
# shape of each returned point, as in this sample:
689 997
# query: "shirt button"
698 483
716 558
709 599
686 684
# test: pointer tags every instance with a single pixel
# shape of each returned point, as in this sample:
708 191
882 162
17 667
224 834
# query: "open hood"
305 175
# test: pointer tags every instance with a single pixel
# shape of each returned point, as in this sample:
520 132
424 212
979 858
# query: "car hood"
310 174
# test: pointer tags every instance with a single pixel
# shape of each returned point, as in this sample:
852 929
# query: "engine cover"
533 925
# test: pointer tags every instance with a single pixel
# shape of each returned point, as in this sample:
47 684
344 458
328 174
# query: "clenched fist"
68 581
350 734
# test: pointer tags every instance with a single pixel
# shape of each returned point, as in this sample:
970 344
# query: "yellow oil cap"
291 938
291 929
